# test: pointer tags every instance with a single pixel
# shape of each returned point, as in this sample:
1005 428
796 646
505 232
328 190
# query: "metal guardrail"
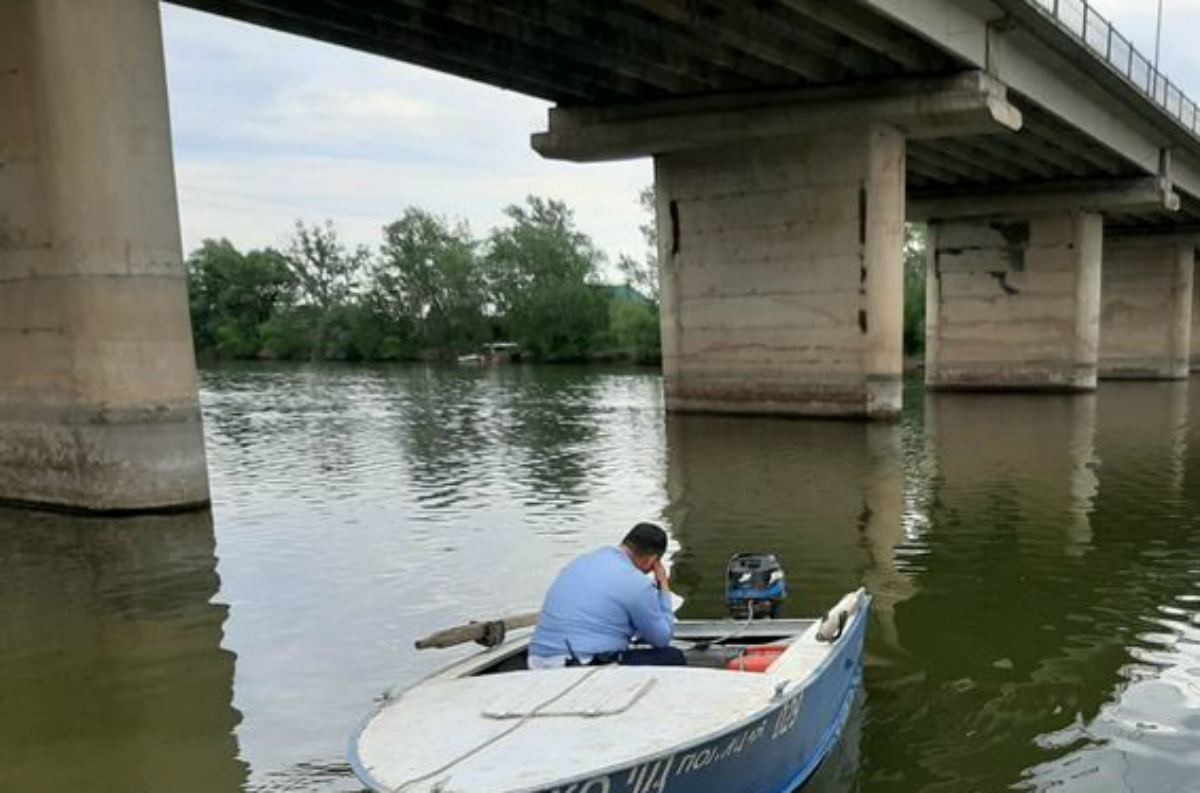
1097 33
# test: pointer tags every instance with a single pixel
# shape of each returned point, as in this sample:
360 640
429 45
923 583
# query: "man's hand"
660 576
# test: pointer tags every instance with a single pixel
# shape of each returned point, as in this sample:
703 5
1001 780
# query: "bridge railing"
1086 24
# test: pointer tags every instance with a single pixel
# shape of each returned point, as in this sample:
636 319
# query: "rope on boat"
498 736
733 634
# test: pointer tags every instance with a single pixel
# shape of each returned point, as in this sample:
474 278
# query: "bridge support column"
1014 305
781 229
98 395
782 275
1146 316
1194 345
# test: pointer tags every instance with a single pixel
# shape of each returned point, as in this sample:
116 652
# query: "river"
1035 562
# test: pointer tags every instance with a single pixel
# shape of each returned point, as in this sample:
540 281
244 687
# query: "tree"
643 274
290 334
636 330
373 334
327 275
915 239
539 268
428 274
232 295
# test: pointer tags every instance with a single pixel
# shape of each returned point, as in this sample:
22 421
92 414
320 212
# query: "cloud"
270 128
254 200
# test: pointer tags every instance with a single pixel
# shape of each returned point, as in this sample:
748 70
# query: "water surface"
1034 560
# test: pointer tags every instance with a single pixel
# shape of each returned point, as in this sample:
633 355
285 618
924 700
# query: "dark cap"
646 539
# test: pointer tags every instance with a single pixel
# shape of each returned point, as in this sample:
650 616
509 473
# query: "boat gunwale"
856 623
472 664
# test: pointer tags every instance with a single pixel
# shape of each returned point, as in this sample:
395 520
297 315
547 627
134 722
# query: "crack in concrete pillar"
1014 306
783 292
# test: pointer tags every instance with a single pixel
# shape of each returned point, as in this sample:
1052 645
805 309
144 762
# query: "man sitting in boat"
604 600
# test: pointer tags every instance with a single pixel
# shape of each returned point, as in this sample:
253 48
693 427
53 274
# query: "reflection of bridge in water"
1032 584
827 497
112 675
1027 554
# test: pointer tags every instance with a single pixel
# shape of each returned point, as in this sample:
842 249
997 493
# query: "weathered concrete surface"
782 275
1146 316
98 393
970 103
1194 346
1145 194
1014 305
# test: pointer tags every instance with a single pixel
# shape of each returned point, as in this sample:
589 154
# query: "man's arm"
651 611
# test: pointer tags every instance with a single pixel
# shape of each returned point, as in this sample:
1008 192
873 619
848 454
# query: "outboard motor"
754 585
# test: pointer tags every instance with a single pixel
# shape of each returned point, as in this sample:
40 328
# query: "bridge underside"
604 52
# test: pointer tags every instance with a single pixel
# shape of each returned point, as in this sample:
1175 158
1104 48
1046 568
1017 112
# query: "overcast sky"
270 128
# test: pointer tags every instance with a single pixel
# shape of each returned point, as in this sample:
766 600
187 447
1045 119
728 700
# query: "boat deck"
473 726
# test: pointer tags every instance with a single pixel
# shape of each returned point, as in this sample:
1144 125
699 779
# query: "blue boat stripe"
832 733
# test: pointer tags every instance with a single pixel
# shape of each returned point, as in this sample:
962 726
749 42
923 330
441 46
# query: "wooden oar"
488 633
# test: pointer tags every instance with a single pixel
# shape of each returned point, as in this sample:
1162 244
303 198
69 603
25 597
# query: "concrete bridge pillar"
782 276
98 394
1194 343
1146 316
1014 304
781 232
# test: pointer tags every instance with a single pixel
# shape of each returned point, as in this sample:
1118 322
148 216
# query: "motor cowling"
755 585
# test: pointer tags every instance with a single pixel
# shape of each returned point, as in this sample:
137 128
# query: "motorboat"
760 704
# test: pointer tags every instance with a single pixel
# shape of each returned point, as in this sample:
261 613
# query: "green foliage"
373 334
236 340
914 289
358 332
231 295
327 274
432 291
290 335
429 275
643 274
635 330
559 321
325 271
538 271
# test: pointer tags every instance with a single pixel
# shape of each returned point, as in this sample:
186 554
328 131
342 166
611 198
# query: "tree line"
429 290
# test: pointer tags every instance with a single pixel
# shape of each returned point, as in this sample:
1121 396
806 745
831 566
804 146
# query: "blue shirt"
597 604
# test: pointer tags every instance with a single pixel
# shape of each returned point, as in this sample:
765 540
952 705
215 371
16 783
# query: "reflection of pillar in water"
1036 452
1141 735
825 496
112 676
1000 567
883 530
1142 432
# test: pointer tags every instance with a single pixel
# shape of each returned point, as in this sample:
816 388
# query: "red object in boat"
756 659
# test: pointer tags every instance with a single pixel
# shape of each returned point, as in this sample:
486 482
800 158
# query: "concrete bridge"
1059 173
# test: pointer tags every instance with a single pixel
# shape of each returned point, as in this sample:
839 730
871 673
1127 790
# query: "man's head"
645 543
